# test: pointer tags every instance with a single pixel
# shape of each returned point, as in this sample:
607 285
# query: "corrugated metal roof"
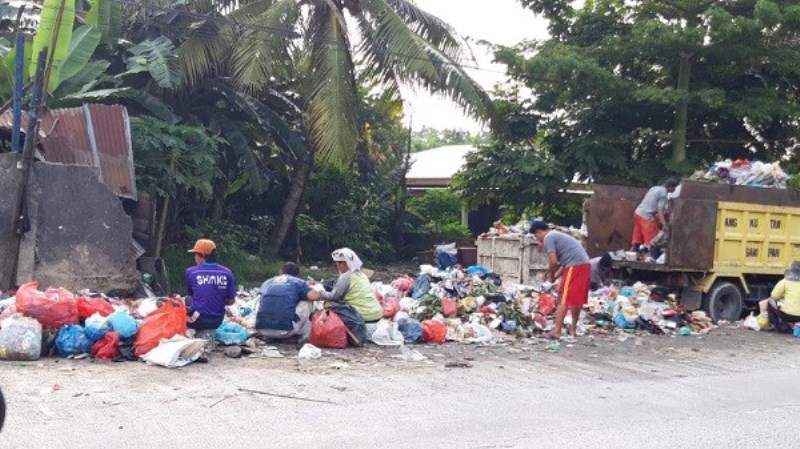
94 134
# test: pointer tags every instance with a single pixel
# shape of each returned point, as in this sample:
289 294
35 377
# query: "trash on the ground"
175 352
411 355
309 351
20 339
231 334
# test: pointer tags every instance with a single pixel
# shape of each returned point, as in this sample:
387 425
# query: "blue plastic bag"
72 340
621 322
123 323
411 330
96 333
231 334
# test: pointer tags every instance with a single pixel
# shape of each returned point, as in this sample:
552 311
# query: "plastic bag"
166 322
390 307
51 313
107 347
96 326
411 330
449 307
403 284
231 334
146 307
353 322
20 339
547 303
89 306
72 340
309 351
477 333
123 323
751 322
328 330
386 334
433 332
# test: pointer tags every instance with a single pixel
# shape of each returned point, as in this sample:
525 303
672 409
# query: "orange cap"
204 247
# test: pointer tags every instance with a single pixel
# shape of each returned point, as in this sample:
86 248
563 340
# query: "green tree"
635 84
400 43
427 138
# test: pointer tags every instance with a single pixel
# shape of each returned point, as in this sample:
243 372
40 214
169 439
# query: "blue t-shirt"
279 297
210 285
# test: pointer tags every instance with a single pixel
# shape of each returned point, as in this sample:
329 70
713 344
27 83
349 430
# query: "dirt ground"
371 397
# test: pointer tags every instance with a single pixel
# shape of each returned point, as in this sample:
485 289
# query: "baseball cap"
204 247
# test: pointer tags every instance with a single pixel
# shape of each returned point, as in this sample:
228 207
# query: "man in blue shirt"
210 286
283 305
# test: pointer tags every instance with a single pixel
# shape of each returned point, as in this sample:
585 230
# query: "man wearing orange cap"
211 287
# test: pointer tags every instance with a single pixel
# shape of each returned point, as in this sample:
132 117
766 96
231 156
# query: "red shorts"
574 286
644 230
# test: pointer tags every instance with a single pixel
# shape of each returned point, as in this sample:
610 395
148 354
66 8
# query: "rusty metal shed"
94 134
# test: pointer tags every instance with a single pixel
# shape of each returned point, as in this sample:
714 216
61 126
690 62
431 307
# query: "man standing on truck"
566 260
649 216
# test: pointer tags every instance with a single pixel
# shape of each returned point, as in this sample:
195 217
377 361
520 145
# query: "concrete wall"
9 176
80 236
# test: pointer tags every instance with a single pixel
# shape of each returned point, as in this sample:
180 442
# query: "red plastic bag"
89 306
328 330
107 347
50 313
403 284
390 307
433 331
449 307
547 304
165 322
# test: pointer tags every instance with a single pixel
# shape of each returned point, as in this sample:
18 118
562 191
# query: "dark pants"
782 322
204 322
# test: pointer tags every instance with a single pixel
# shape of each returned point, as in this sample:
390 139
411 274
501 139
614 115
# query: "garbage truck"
727 245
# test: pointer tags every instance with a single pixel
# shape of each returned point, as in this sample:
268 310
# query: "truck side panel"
610 217
755 238
692 234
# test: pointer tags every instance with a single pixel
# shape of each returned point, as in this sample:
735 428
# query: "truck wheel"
724 302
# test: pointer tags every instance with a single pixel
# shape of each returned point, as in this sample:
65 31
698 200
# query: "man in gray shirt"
649 215
567 260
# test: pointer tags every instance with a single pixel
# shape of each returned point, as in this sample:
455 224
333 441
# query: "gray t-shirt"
655 199
597 273
568 250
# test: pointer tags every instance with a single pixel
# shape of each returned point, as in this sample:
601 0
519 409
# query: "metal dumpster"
517 259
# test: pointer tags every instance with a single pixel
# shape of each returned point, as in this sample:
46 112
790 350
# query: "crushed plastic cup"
685 331
411 355
309 351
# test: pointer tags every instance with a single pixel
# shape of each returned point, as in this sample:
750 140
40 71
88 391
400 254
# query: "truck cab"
727 244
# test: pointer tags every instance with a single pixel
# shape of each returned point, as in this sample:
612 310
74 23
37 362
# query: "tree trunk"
162 225
298 186
681 110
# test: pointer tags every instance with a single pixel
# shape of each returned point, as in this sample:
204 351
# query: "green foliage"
427 138
48 23
606 87
440 211
174 158
158 57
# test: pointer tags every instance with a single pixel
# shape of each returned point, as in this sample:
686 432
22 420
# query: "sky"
502 22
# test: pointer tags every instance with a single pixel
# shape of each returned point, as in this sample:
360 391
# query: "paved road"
706 393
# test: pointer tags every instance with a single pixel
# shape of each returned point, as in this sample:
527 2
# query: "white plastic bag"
477 333
387 334
309 351
147 306
20 338
411 355
751 322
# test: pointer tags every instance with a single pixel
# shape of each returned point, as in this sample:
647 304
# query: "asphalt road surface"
732 388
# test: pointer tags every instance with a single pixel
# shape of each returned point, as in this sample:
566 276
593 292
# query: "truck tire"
724 302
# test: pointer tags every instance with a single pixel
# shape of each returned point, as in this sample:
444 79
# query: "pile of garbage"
520 229
746 173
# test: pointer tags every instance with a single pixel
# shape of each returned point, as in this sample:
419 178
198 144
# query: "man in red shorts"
649 215
566 260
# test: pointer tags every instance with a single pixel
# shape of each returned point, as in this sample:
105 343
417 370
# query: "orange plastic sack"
449 307
165 322
433 332
328 330
89 306
547 304
51 313
107 347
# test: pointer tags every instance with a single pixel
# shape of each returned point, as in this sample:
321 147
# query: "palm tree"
310 45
